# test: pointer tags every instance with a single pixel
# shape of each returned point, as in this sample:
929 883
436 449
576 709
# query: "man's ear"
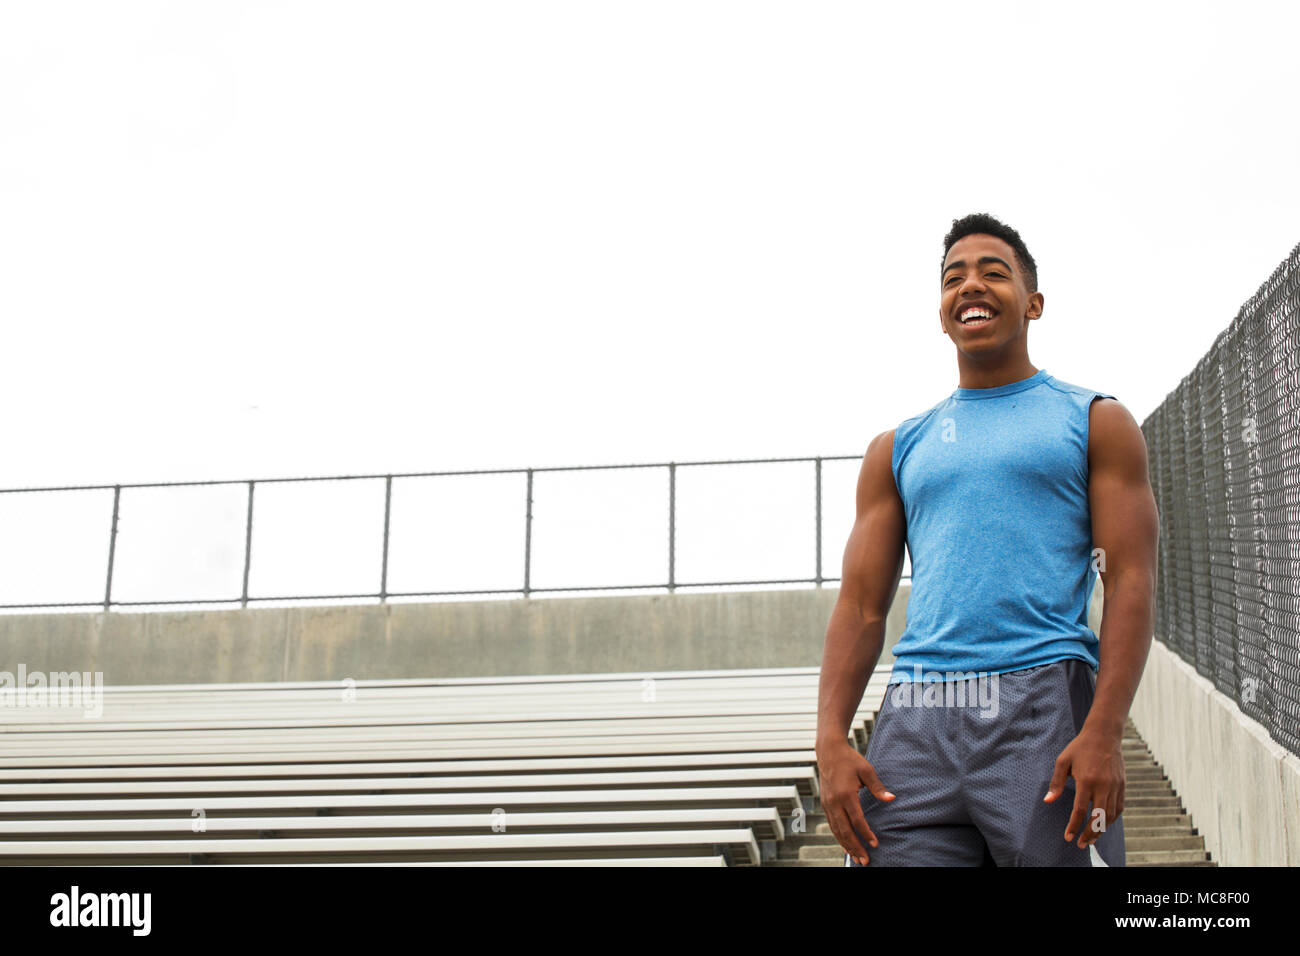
1035 308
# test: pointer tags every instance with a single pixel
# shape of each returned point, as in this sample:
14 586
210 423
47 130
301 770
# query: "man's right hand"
843 772
855 637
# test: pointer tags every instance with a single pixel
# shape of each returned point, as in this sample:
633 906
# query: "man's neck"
978 376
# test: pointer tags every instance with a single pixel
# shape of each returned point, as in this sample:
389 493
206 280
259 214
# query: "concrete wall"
448 639
1240 786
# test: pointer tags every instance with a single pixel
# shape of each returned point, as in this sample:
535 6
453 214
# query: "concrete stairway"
1157 830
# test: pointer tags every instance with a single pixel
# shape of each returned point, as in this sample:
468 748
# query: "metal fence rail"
1225 466
382 594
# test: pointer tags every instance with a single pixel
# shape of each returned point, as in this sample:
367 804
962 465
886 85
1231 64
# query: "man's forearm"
852 648
1127 623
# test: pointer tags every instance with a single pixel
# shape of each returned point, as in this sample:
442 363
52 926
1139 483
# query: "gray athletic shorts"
969 774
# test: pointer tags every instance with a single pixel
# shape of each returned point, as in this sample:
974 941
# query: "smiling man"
1010 495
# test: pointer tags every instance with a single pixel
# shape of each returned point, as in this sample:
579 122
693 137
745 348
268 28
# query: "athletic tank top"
994 483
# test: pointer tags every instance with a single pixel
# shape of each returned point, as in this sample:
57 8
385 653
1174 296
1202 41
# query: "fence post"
528 534
818 471
672 526
112 547
248 546
388 508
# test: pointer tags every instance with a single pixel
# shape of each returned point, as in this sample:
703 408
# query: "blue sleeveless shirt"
994 483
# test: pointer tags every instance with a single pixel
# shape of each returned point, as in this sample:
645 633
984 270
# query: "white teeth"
975 314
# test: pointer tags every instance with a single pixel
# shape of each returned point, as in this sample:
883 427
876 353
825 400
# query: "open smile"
975 315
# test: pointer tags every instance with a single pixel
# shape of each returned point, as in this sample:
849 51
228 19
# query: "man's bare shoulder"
1108 415
1115 439
882 444
877 475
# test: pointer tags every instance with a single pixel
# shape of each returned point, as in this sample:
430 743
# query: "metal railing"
383 593
1224 451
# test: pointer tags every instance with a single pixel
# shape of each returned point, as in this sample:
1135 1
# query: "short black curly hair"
982 222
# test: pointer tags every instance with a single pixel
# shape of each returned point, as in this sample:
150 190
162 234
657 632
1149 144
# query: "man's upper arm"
873 557
1125 523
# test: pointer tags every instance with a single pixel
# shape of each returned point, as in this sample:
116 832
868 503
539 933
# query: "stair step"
838 862
822 852
1134 830
791 845
1165 857
1148 802
1179 841
1191 863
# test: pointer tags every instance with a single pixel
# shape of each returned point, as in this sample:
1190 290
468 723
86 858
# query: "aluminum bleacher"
704 768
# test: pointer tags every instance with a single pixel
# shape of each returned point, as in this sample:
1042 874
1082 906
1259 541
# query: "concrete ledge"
583 635
1240 786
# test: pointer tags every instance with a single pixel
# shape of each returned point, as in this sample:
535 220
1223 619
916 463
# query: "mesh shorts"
969 774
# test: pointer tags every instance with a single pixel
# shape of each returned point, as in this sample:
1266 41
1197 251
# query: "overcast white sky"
288 238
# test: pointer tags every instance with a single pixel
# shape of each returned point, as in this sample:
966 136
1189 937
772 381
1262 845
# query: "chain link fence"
1225 466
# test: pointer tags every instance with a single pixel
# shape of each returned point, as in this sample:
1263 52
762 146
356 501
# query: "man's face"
981 271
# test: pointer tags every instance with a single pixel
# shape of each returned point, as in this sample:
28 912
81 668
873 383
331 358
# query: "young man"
999 739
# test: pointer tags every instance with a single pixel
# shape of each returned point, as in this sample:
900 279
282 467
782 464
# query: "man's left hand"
1096 761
